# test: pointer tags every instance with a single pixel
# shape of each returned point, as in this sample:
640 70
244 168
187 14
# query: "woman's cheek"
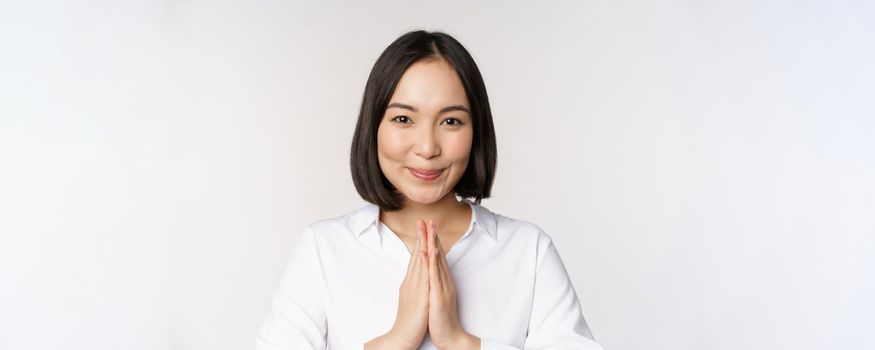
460 148
390 144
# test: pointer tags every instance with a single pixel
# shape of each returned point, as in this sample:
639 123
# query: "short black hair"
413 46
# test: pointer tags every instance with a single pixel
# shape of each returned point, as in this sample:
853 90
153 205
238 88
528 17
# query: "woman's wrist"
383 342
464 341
388 341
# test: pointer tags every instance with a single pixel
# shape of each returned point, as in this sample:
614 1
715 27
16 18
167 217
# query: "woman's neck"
448 213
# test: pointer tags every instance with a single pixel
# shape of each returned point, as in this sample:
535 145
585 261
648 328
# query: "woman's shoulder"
523 237
351 222
515 228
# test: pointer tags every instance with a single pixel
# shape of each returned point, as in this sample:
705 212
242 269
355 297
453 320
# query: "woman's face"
424 138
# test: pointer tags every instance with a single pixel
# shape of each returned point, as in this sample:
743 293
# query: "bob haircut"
369 180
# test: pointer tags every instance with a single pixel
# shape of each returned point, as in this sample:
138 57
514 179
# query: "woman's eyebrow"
442 111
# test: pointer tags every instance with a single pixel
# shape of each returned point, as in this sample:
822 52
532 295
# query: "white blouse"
340 286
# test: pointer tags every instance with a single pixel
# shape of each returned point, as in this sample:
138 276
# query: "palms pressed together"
427 301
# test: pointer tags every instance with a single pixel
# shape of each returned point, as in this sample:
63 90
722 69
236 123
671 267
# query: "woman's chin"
424 198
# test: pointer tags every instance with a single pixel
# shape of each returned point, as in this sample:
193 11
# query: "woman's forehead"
430 85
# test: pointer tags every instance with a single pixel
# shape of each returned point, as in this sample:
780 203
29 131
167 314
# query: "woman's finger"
430 238
443 269
438 245
413 258
422 270
434 280
423 252
423 236
433 268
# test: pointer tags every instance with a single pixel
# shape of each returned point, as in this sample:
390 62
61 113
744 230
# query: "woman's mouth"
426 174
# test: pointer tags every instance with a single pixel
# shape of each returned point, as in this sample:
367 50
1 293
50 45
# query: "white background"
706 168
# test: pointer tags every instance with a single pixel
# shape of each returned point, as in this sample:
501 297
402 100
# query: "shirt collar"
368 215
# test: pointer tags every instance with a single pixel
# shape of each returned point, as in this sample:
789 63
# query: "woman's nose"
427 144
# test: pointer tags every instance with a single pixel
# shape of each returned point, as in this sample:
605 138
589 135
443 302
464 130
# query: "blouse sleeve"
297 316
556 321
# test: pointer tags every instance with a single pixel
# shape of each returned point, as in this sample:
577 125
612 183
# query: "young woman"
419 268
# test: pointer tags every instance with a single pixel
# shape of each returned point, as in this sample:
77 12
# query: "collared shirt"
340 287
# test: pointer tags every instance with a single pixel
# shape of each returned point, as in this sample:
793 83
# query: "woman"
469 278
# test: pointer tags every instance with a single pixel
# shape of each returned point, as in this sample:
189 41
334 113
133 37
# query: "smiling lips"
425 174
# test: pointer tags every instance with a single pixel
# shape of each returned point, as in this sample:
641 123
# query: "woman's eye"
455 122
403 119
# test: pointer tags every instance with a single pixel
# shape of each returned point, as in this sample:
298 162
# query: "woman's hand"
411 321
443 315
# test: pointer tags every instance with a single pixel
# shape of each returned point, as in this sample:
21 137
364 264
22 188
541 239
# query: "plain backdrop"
706 168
